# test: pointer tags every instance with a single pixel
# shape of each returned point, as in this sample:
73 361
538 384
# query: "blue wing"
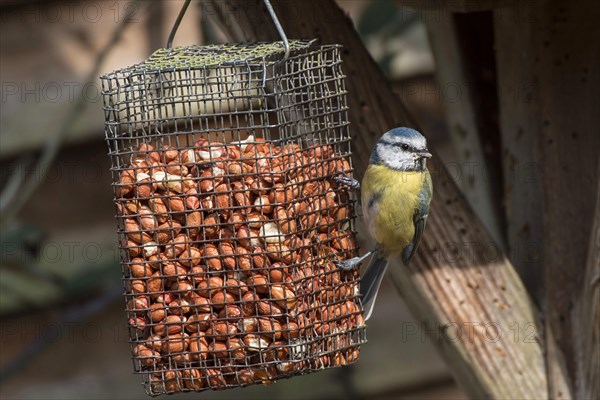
419 219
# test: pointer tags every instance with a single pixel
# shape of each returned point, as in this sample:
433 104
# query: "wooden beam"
459 279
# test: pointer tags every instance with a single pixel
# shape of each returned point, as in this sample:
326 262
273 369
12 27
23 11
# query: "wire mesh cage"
229 219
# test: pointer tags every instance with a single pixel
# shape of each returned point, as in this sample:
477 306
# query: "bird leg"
347 265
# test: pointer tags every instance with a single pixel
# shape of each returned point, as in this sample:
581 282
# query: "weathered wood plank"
587 383
545 48
568 69
518 101
477 174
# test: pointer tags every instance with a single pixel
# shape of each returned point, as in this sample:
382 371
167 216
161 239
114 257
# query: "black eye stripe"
399 144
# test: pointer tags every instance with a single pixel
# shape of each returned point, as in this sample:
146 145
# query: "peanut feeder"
229 219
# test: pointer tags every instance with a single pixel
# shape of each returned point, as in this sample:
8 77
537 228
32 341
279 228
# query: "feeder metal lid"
197 57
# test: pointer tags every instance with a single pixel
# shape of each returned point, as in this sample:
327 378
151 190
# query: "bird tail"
370 282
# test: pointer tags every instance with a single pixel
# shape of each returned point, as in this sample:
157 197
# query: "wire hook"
286 43
177 22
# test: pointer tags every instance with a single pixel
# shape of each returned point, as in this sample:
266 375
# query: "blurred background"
62 323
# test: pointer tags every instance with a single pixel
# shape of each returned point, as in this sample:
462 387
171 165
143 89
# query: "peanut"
199 322
175 343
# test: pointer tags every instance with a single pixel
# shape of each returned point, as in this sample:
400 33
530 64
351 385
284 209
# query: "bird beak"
424 154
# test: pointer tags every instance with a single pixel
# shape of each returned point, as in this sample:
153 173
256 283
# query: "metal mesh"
229 219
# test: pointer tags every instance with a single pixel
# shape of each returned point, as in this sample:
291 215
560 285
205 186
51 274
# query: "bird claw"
348 265
349 182
352 263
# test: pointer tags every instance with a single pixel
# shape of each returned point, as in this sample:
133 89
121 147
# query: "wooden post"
479 176
519 126
459 279
587 384
544 50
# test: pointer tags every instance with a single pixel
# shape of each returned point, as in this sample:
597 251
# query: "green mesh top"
210 56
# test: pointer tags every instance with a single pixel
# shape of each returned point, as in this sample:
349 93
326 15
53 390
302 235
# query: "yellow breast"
389 200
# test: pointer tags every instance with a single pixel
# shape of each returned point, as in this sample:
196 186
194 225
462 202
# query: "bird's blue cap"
402 132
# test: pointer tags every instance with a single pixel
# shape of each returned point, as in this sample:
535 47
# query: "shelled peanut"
229 252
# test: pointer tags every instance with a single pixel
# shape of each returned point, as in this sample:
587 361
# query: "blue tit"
395 194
